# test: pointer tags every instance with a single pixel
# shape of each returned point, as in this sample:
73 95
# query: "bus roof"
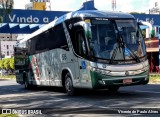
100 14
84 14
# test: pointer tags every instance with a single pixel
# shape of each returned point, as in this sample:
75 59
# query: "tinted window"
50 39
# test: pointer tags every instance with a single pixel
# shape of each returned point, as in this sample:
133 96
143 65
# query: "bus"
84 49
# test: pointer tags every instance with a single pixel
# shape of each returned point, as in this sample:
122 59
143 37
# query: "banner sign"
32 16
152 18
44 17
38 17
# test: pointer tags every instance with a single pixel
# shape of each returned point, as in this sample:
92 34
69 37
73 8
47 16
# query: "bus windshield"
117 40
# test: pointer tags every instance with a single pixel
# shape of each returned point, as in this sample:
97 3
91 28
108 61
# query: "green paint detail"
88 34
118 81
152 33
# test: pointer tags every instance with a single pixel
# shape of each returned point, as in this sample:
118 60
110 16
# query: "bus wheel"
69 85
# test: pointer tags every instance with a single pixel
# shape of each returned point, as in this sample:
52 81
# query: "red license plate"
127 81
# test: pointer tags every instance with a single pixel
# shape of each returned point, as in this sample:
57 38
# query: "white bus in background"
84 49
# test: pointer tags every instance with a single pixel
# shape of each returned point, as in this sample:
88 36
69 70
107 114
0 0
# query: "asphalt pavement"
142 100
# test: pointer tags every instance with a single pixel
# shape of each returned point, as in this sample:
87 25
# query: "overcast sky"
72 5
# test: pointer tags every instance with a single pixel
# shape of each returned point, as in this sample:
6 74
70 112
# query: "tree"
7 64
11 63
2 64
144 33
137 13
5 8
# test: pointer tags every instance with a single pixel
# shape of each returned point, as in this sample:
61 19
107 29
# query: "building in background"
155 9
7 41
7 48
36 6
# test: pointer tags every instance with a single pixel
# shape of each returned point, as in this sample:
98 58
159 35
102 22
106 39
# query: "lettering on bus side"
67 35
64 57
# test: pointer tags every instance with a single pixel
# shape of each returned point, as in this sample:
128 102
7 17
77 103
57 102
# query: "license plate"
127 81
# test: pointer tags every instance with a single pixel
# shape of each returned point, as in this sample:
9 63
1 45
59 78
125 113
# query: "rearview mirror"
150 28
87 28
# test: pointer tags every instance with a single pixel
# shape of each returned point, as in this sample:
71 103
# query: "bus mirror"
87 28
148 25
81 23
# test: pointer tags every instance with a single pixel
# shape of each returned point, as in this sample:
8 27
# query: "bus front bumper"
104 81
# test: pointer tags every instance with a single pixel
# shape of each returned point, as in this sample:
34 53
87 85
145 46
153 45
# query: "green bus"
84 49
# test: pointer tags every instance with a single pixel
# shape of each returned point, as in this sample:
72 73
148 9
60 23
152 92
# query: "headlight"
102 71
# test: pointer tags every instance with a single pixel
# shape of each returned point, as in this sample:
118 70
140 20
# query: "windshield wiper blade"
113 55
133 54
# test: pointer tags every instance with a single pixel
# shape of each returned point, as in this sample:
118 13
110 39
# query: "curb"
7 78
154 82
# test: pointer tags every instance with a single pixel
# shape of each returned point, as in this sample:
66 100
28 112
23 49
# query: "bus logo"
127 73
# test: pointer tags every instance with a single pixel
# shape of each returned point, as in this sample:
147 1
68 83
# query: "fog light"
101 82
145 79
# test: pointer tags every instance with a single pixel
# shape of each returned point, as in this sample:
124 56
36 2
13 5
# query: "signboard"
32 16
152 18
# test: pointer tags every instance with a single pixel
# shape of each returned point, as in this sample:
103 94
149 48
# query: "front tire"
69 85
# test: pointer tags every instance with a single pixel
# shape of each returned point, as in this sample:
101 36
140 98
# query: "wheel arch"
64 72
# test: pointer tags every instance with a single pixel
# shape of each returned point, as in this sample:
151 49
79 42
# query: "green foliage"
9 115
136 13
7 64
12 63
144 33
7 6
8 77
155 76
2 64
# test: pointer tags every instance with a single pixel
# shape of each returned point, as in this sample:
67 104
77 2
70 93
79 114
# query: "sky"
72 5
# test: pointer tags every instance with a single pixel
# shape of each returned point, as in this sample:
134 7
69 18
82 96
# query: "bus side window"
57 38
32 45
29 46
40 44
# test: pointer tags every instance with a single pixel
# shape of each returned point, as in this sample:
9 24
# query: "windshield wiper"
122 45
133 54
113 55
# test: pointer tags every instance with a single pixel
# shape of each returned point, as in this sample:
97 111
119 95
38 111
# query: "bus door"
82 51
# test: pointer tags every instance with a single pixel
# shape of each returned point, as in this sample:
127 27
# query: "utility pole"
50 4
113 5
